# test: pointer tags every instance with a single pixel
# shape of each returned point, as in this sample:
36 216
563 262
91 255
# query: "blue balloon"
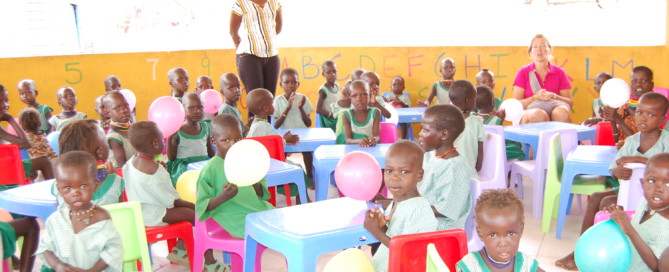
53 141
603 247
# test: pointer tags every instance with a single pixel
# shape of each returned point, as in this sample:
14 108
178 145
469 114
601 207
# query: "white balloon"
513 109
394 116
615 92
246 163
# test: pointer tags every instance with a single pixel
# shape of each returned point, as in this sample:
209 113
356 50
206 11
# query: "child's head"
357 74
76 174
4 99
397 85
441 124
260 102
100 108
178 79
27 91
146 138
117 107
359 95
203 83
500 220
84 135
112 83
485 77
463 95
447 68
655 184
29 120
290 81
225 131
329 71
374 82
650 112
404 169
485 99
194 107
67 98
642 80
230 88
600 79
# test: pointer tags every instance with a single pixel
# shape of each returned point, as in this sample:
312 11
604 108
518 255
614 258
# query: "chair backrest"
603 216
630 190
474 243
408 252
499 130
12 165
388 133
128 220
568 141
274 145
604 134
434 262
493 167
555 159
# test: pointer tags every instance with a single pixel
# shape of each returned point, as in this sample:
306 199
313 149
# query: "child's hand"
592 121
621 218
630 159
611 114
302 102
621 172
367 142
229 191
63 267
501 114
422 103
290 138
291 99
375 221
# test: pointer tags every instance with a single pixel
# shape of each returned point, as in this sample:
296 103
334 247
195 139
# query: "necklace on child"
496 264
72 112
258 119
448 81
445 153
145 157
119 126
86 220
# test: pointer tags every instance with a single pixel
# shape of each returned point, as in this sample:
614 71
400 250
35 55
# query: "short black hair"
499 199
288 71
77 159
460 90
413 148
141 133
484 95
664 103
447 117
328 63
223 122
644 69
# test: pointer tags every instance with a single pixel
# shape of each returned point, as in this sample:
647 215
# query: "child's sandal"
217 267
179 256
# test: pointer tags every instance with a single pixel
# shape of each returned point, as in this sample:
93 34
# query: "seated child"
470 143
261 105
220 200
118 111
26 227
360 123
100 110
500 221
191 143
447 174
232 91
399 99
79 236
344 101
597 105
328 95
649 228
28 94
203 83
29 119
485 77
440 88
68 100
112 83
178 79
485 103
408 212
377 100
623 119
292 109
149 183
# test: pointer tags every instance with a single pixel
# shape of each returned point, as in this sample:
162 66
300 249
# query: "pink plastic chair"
388 133
210 235
474 242
603 216
630 190
493 172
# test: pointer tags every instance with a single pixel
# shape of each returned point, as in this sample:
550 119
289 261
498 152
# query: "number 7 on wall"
155 63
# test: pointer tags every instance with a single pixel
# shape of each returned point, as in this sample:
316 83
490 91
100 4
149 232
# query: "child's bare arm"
57 265
172 143
479 158
258 188
20 139
305 115
622 219
119 152
373 224
319 105
182 203
290 138
348 132
630 159
621 172
229 191
428 101
99 266
210 149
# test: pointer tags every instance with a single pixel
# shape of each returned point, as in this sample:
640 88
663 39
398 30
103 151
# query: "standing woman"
543 88
258 61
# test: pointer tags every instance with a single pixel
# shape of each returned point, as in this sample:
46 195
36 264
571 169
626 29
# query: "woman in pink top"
543 88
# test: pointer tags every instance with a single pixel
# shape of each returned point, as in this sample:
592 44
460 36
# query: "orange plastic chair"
604 134
12 165
408 252
274 145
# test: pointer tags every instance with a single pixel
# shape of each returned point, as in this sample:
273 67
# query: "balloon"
187 185
394 116
351 260
211 100
129 97
615 92
10 129
358 176
168 113
246 163
513 109
52 138
603 247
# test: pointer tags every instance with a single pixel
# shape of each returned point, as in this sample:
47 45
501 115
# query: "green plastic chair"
434 261
128 220
583 185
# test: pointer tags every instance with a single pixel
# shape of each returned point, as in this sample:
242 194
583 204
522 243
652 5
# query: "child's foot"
567 263
178 256
216 267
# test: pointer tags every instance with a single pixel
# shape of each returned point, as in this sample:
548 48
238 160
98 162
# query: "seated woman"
542 87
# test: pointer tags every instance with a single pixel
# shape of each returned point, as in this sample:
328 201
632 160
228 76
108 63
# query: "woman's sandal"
217 267
179 256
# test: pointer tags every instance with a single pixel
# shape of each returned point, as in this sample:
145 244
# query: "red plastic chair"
274 145
604 134
408 252
12 165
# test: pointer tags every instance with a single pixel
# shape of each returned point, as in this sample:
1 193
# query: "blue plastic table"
304 232
279 173
310 139
528 134
30 200
582 160
410 115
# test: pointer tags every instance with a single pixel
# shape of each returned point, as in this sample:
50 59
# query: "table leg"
568 176
322 180
250 248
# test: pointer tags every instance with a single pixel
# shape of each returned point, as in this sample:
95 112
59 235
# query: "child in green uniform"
470 142
398 99
375 99
485 104
119 112
328 95
178 79
28 94
232 91
67 99
441 88
361 122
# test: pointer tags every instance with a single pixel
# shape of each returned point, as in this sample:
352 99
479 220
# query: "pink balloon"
129 97
358 176
168 113
10 129
212 101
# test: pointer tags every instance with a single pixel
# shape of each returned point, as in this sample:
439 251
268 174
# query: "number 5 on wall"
69 68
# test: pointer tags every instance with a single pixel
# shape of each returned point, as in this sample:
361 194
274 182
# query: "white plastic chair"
630 190
474 242
493 170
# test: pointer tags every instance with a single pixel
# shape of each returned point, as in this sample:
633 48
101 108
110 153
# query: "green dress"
191 148
359 130
473 262
8 235
331 97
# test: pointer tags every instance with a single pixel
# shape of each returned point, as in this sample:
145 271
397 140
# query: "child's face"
401 174
76 186
648 115
100 109
397 85
67 99
4 102
430 136
180 81
289 83
448 69
113 84
330 73
101 151
194 108
374 84
225 138
359 97
641 83
599 81
487 80
202 85
118 109
27 95
231 90
656 186
500 231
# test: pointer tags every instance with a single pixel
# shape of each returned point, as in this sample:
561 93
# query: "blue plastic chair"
317 123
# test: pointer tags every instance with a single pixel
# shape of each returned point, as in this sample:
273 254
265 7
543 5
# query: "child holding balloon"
118 111
623 118
191 143
361 122
67 99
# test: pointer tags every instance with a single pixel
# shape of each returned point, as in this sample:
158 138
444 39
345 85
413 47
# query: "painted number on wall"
77 75
155 63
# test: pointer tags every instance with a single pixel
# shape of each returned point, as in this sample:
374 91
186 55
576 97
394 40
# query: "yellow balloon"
351 260
187 185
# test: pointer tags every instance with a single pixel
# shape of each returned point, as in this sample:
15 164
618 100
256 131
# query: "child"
119 113
344 100
149 183
327 95
29 119
399 99
374 86
360 123
440 88
220 200
68 100
112 83
470 143
100 110
485 78
79 236
500 221
447 174
648 230
409 212
203 83
597 105
191 143
26 227
28 94
485 103
649 141
622 119
291 110
178 79
232 91
260 103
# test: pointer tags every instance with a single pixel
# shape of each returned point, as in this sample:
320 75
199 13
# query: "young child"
178 79
203 83
500 221
377 100
597 105
292 109
149 183
360 123
485 104
191 143
28 94
648 230
408 212
344 101
447 174
68 100
100 110
232 91
261 104
399 99
26 227
112 83
440 88
485 78
220 200
29 119
79 236
470 143
623 119
119 113
328 95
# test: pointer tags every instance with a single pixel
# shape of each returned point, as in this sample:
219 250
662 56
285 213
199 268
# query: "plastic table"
528 134
279 173
304 232
582 160
410 115
310 139
326 158
30 200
